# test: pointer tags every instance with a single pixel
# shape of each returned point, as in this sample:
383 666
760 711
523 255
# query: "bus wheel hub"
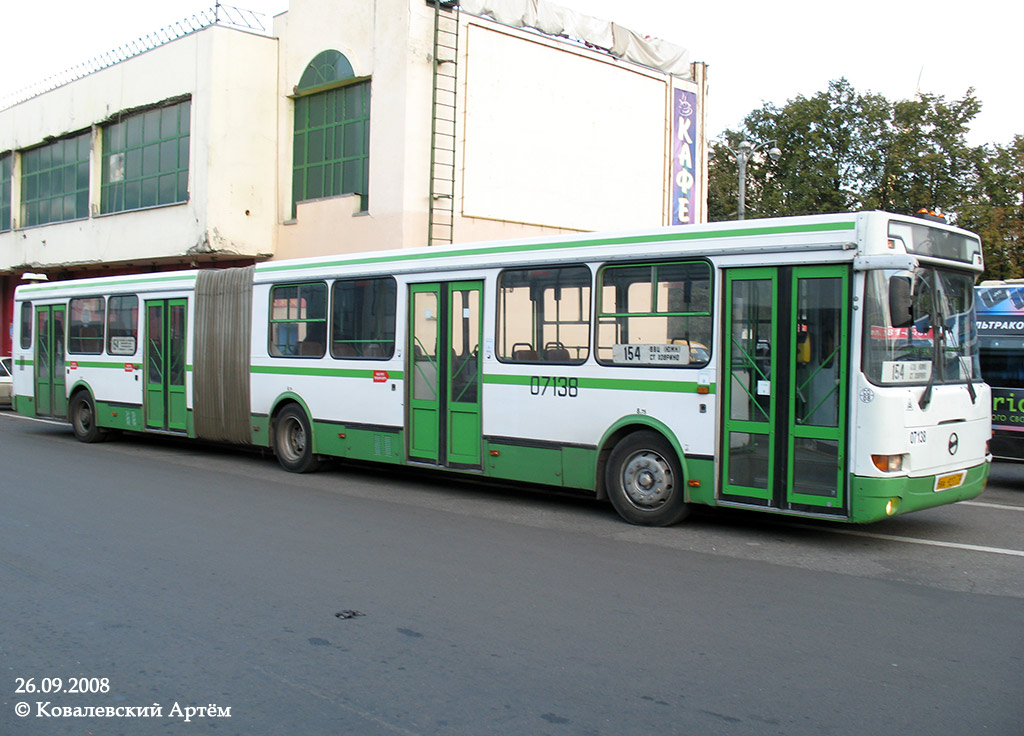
647 479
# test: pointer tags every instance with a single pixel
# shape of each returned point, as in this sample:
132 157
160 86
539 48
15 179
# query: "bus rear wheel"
293 441
83 419
645 481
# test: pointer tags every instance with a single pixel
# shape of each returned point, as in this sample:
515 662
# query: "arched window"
328 66
332 131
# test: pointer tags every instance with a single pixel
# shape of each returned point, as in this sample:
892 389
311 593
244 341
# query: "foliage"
995 211
844 150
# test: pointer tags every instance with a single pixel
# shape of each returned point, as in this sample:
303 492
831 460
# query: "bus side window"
544 315
26 325
646 310
363 315
298 320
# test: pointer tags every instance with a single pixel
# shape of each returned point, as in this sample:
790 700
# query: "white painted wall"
372 36
231 77
559 138
551 138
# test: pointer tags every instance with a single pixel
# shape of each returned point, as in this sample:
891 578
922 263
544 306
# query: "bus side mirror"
901 301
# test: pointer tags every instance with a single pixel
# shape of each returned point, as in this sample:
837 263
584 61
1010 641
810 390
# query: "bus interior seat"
523 352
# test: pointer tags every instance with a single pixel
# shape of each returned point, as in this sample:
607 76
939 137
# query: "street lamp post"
743 151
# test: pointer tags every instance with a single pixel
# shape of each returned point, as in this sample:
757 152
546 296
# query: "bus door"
165 364
444 416
785 386
51 389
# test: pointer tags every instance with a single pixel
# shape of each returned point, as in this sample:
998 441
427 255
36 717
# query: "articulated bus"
1001 336
822 366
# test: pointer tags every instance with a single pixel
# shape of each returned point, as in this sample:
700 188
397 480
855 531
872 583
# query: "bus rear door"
165 364
50 383
444 414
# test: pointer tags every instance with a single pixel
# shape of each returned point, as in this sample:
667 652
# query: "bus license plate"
945 482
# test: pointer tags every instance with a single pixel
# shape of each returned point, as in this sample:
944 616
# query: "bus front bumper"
880 498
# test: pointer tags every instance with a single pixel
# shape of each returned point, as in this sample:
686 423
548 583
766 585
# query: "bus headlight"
890 507
888 463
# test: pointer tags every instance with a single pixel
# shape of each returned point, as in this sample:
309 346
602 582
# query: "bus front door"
51 389
165 364
785 387
444 413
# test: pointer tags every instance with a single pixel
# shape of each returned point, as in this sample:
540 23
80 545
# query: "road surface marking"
991 505
915 540
56 422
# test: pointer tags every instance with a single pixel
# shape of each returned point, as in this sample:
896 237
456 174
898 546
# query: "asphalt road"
188 576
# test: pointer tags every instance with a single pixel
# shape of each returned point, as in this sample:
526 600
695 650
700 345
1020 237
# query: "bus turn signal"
888 463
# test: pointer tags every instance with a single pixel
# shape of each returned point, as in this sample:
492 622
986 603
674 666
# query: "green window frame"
363 315
655 315
6 188
55 181
85 326
298 320
146 159
331 144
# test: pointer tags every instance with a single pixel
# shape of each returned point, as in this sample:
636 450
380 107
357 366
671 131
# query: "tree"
845 151
831 145
927 161
995 211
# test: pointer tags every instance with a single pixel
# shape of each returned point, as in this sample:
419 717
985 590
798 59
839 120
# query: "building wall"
550 137
372 38
230 77
241 162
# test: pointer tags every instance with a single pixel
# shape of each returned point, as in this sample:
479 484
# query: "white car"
5 381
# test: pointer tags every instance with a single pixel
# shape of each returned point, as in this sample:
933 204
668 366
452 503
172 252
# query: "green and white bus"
822 366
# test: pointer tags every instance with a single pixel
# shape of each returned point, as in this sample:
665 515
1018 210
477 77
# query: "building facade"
348 126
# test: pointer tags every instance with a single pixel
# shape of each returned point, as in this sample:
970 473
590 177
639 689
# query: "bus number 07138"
559 386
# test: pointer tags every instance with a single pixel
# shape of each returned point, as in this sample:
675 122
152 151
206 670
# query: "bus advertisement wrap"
1000 309
1007 409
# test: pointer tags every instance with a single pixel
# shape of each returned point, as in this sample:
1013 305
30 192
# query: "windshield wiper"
967 371
926 397
940 307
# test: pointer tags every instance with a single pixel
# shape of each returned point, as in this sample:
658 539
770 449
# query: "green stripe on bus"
100 364
35 288
535 247
613 384
332 372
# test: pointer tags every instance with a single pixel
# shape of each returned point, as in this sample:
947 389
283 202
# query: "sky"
757 51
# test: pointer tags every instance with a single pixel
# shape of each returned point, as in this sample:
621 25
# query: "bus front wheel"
83 419
293 441
645 481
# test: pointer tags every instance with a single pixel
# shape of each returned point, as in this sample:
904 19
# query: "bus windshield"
941 346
